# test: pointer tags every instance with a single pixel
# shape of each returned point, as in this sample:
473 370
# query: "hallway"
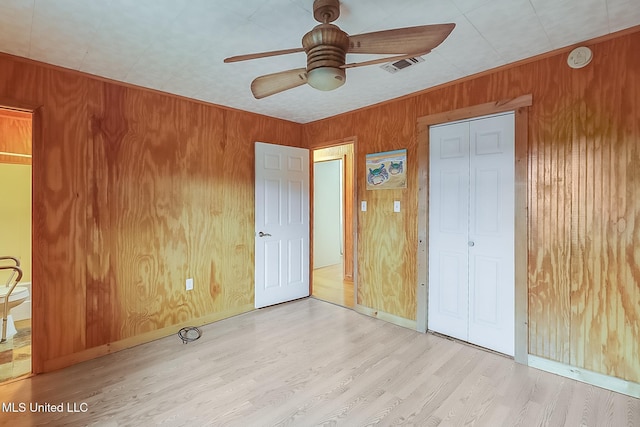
328 285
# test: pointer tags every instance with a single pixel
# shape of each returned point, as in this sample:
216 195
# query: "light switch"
363 206
396 206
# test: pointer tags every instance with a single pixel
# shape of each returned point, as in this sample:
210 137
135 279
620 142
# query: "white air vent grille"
394 67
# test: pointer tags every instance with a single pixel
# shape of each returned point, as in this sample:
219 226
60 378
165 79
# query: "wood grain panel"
317 134
235 169
134 191
101 294
183 208
15 137
386 240
161 194
605 298
60 196
582 192
550 212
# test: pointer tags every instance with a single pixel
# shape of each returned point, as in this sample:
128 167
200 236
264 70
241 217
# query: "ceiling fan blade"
383 60
262 55
401 40
274 83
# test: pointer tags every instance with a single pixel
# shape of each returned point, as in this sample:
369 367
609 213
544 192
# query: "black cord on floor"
188 334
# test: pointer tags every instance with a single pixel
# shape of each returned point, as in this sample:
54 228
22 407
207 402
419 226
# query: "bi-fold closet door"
471 231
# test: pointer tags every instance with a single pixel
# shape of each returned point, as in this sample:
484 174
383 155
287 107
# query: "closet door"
449 230
471 231
491 233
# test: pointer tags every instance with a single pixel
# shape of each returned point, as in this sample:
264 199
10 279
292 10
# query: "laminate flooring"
15 352
308 363
329 285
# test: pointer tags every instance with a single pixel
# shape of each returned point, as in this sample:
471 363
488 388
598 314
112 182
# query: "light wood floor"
15 352
328 285
311 363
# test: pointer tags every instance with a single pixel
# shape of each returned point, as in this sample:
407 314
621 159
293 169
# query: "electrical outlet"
189 284
363 206
396 206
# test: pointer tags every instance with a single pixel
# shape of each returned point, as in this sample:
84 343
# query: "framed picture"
387 170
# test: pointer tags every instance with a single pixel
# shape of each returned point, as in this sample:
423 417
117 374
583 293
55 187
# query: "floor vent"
394 67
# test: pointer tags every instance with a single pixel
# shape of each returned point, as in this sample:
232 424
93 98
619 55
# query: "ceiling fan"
326 47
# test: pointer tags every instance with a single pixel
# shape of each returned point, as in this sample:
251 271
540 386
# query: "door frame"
452 242
519 106
37 296
354 213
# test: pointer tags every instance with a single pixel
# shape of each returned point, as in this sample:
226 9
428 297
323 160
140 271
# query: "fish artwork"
378 176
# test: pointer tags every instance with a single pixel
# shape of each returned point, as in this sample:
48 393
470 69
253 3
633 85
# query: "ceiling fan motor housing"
326 47
325 11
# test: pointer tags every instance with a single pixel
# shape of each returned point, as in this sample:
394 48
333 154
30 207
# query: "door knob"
471 243
261 234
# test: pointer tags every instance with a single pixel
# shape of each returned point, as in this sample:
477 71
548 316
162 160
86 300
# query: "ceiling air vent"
394 67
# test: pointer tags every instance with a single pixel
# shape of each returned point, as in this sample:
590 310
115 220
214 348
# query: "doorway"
15 238
471 231
520 105
333 229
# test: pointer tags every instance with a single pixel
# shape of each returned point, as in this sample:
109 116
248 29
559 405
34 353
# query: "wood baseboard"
391 318
94 352
618 385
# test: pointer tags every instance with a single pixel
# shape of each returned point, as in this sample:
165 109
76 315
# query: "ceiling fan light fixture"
327 46
326 78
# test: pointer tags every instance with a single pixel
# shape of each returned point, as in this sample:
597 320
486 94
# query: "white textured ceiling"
178 46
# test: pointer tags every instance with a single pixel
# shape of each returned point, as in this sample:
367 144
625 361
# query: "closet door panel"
448 231
491 233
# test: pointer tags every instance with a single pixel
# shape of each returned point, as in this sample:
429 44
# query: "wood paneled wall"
386 254
584 200
134 191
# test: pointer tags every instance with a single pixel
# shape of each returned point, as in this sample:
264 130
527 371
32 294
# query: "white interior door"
471 231
281 224
449 230
491 231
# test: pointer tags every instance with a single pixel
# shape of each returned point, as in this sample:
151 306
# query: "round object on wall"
579 57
